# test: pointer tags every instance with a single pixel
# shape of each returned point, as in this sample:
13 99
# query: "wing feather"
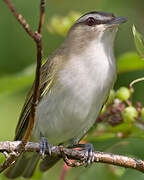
47 77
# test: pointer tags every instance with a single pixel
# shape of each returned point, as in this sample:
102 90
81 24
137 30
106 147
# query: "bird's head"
97 26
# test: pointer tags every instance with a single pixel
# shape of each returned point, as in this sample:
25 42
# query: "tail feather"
47 163
31 166
26 163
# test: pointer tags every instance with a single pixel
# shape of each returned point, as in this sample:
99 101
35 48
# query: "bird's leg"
43 146
89 151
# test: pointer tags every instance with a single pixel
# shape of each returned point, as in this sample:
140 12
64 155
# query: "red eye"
90 21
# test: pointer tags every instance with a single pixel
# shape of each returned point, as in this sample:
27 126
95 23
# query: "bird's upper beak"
117 20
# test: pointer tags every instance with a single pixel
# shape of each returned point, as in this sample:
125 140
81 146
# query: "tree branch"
36 36
38 41
42 15
20 19
58 151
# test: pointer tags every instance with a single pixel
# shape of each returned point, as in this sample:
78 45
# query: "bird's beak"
117 21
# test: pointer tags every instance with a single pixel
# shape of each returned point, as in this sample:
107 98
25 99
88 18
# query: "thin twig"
36 36
37 76
20 19
57 151
42 15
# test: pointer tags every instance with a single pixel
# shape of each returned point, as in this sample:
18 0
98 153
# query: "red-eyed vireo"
75 83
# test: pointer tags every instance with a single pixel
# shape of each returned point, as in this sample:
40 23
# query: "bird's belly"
72 105
64 115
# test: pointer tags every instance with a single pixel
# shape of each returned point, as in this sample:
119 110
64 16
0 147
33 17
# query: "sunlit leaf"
139 41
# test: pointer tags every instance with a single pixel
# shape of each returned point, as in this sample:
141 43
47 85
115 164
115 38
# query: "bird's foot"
44 145
89 152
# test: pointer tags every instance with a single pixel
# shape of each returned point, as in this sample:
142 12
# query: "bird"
75 82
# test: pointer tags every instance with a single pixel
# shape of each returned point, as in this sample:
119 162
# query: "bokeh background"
17 63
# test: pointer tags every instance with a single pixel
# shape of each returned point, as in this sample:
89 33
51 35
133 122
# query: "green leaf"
132 175
139 43
98 171
130 62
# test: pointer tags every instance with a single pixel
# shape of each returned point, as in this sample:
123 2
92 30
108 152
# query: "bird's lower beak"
118 20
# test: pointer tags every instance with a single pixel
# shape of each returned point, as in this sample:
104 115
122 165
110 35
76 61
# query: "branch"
42 15
20 19
36 36
38 41
58 151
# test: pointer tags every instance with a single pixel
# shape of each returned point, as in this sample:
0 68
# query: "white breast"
73 104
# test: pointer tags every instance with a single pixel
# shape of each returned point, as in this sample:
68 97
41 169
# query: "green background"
18 54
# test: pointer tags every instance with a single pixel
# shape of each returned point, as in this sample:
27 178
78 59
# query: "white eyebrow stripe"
101 16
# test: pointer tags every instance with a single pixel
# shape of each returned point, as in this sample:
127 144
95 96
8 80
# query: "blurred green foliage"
61 25
17 59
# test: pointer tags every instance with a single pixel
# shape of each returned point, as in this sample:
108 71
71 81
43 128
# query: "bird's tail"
48 162
24 166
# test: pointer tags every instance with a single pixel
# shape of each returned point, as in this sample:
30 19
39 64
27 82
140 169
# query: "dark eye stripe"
99 18
92 21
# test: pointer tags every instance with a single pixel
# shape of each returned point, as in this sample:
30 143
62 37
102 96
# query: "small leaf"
139 43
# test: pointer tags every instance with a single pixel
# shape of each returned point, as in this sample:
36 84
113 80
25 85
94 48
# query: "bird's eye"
90 21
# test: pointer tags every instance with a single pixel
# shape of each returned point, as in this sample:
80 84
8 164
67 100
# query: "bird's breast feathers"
72 105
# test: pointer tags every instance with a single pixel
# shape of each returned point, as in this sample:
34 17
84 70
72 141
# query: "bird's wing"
48 72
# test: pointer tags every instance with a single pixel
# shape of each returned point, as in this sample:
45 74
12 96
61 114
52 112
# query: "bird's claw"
44 145
89 153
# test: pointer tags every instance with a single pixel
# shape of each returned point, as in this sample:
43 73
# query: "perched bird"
75 83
